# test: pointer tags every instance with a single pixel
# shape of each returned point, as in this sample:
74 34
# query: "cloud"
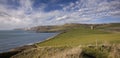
93 8
61 18
80 11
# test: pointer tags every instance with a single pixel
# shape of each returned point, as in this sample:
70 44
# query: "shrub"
94 53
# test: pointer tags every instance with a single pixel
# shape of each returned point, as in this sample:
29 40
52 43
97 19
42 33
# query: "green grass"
74 43
81 35
95 53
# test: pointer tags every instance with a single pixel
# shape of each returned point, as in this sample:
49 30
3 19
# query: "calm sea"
14 38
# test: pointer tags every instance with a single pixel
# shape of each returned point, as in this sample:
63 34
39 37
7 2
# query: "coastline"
49 38
19 49
76 34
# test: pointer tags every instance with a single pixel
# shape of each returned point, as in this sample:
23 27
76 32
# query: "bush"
94 53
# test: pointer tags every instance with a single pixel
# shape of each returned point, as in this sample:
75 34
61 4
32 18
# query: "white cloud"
80 11
93 9
26 4
61 18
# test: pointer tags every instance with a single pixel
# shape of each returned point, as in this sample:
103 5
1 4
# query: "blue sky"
28 13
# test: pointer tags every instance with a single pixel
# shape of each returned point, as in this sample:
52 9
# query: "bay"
15 38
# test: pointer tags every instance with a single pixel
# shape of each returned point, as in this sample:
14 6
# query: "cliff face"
58 28
55 28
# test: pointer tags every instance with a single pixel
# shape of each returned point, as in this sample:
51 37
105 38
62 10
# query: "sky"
28 13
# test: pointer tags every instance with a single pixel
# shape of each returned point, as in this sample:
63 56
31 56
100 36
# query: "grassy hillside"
57 28
77 41
109 27
81 35
109 51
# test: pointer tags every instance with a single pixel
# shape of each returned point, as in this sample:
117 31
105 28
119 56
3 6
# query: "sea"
10 39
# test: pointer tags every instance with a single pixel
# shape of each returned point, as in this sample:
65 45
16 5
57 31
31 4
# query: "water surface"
14 38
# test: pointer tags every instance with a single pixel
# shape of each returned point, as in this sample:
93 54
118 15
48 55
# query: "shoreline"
19 49
49 38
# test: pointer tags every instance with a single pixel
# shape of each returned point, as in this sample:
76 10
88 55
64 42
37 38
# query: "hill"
59 28
77 41
84 35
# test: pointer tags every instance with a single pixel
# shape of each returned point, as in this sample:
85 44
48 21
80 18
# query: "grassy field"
78 42
82 35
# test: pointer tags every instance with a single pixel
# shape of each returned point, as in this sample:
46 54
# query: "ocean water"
15 38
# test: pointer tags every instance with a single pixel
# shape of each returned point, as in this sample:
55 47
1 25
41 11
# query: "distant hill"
109 27
58 28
